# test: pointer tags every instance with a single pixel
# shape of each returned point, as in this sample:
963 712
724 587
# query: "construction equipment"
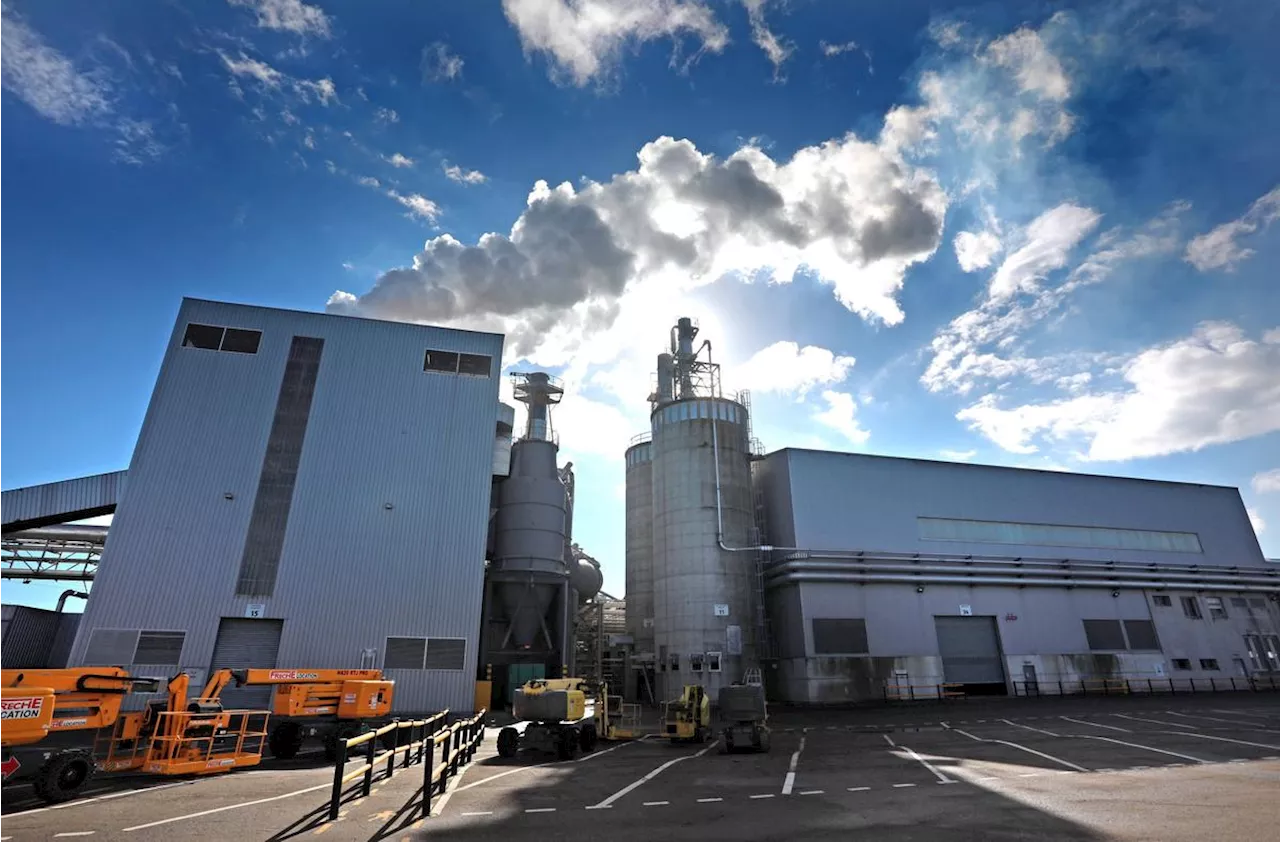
616 719
329 704
554 719
744 717
50 719
688 718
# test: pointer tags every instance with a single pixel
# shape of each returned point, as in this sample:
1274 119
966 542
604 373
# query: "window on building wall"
1055 535
217 338
695 662
674 662
208 337
1272 651
1191 607
713 662
1104 635
1239 602
159 647
405 653
1217 611
1253 646
1142 635
475 365
446 653
1257 603
1209 664
839 636
1161 600
240 341
443 362
1182 664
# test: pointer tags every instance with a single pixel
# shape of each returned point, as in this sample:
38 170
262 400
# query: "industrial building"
848 577
306 490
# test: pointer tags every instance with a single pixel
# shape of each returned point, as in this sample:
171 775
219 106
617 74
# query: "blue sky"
1025 234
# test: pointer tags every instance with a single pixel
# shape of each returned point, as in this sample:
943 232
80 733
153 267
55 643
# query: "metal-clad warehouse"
890 571
307 490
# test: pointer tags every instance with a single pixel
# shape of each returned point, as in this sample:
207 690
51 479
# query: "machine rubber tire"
330 740
285 740
764 742
587 738
508 742
567 743
63 776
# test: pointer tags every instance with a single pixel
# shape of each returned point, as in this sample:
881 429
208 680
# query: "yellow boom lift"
553 718
688 718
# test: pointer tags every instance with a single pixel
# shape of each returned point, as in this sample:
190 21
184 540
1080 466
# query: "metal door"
1030 683
244 644
970 649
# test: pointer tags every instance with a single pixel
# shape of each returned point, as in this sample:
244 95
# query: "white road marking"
656 803
1096 724
540 810
1270 757
1146 748
1265 716
73 833
606 751
854 789
888 739
478 813
940 776
503 775
1029 728
81 802
709 800
902 786
1239 760
1228 740
1029 775
1138 768
940 783
227 807
790 780
635 784
1155 721
1249 725
766 795
813 792
1057 760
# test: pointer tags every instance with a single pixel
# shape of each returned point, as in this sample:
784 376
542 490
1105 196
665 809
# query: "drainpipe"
62 600
715 455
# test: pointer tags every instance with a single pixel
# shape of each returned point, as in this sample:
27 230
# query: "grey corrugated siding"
57 502
29 635
352 571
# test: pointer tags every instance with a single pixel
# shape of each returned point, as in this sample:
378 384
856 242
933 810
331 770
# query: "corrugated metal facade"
833 503
35 638
59 502
386 530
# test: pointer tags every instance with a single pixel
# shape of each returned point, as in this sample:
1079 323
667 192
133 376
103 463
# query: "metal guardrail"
922 692
1146 686
458 742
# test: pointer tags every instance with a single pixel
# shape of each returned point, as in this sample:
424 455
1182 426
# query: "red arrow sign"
10 766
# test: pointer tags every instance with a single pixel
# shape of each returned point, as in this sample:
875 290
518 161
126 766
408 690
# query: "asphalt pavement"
1109 768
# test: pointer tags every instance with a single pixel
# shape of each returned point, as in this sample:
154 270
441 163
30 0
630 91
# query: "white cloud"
1213 387
830 50
1266 482
845 212
136 142
368 181
958 455
776 49
252 68
386 115
785 367
453 172
584 38
1219 248
841 415
271 80
439 63
1259 525
289 16
1047 242
47 80
976 251
418 205
1036 68
398 160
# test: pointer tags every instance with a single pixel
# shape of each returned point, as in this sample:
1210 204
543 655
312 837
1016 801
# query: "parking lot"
1113 768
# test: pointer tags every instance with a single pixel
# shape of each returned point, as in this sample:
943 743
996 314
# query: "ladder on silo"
764 634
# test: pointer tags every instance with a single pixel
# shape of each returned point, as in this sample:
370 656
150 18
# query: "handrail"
1142 685
461 739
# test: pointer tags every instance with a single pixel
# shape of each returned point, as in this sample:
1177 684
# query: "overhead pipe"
1017 561
934 579
62 600
1066 572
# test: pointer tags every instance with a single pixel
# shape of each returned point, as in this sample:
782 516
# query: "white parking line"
1268 717
766 795
1095 724
709 800
1029 728
636 784
1227 740
540 810
1236 722
82 801
656 803
478 813
790 780
855 789
902 786
227 807
940 776
1156 721
1050 757
1146 748
75 833
813 792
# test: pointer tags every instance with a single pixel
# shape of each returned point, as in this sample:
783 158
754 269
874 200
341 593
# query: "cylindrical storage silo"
703 624
639 550
529 540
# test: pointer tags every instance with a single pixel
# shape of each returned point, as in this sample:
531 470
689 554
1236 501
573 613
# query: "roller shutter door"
970 649
244 644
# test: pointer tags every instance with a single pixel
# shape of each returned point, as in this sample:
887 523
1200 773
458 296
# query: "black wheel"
64 776
508 742
587 738
567 744
285 740
330 740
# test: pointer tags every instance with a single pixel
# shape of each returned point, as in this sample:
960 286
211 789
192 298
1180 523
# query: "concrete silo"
703 590
639 564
